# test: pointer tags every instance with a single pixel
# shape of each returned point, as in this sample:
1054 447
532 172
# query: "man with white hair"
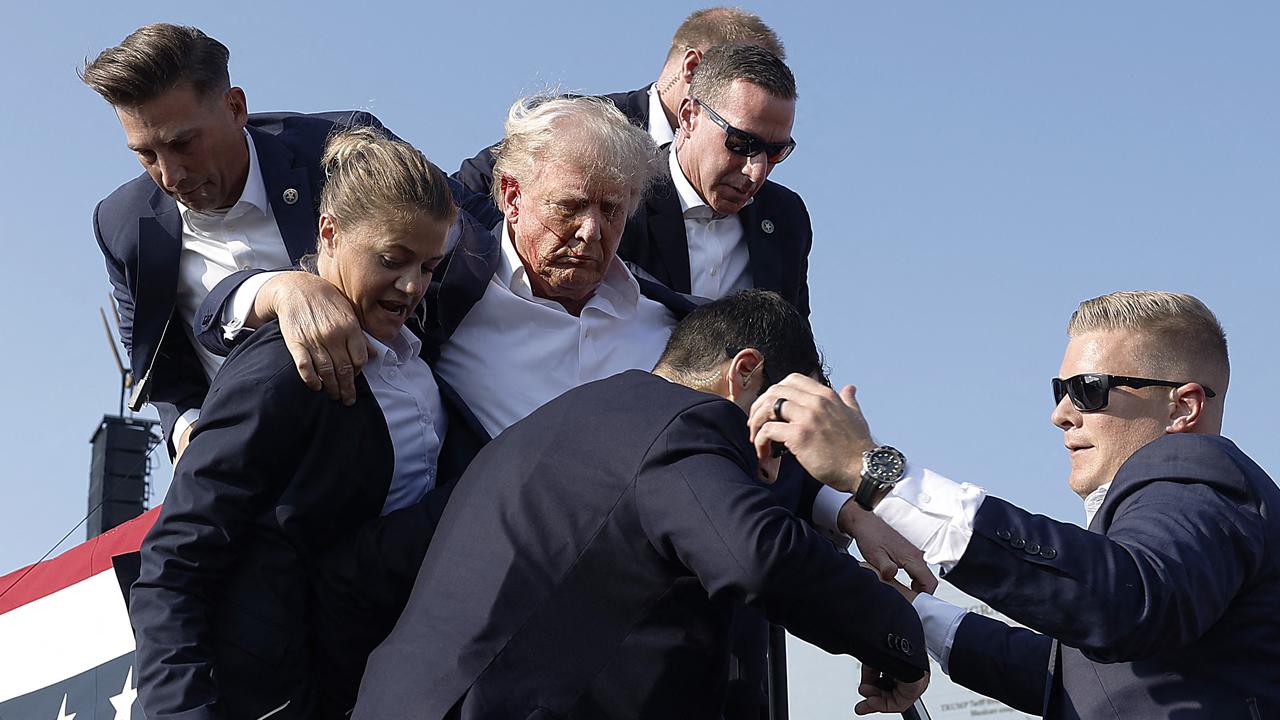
545 308
1168 605
560 309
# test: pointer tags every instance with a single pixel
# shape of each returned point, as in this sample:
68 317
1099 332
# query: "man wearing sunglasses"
654 106
714 223
1167 606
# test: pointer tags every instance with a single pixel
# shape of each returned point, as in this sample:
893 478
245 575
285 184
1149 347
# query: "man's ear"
237 105
1186 408
685 115
692 58
328 235
510 197
744 377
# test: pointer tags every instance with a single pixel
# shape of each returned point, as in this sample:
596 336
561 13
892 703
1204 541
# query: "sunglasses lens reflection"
1092 392
1087 392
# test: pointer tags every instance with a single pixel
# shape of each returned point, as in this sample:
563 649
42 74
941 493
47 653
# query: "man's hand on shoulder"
824 430
320 328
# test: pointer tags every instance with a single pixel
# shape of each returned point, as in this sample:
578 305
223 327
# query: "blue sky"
972 170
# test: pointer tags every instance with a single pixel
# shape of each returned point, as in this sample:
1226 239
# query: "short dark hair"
760 319
713 26
154 59
723 64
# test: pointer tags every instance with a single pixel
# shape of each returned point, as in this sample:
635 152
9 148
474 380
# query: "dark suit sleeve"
702 509
231 473
178 382
208 327
999 661
477 172
479 205
119 285
1174 556
467 234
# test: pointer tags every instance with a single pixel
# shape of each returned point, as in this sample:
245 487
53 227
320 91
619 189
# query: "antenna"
125 380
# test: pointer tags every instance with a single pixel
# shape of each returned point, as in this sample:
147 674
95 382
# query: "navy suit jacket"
1167 607
269 574
594 576
139 229
476 173
775 227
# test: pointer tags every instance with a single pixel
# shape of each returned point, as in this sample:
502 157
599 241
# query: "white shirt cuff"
826 507
933 513
940 620
826 513
236 312
184 421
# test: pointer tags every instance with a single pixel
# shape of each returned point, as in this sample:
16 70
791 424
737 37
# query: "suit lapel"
297 219
680 304
159 249
459 282
765 265
665 227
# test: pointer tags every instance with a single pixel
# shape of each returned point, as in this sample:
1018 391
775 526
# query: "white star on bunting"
62 711
123 703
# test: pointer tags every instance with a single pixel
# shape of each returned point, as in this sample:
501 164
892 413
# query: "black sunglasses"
1089 392
741 142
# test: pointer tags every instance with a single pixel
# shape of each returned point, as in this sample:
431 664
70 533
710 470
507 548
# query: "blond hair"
589 133
375 178
1182 335
713 26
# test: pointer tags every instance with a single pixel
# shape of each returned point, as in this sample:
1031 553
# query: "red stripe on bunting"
79 563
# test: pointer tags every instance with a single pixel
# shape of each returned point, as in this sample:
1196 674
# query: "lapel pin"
767 226
291 197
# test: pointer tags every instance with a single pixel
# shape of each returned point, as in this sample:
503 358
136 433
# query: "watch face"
884 464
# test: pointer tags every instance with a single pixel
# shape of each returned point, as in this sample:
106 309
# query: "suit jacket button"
891 641
1048 553
1003 534
905 646
1032 548
1018 543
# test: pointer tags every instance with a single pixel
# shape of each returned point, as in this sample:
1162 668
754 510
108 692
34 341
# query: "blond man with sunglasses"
1168 605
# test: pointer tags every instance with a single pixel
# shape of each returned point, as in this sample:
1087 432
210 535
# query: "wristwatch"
882 467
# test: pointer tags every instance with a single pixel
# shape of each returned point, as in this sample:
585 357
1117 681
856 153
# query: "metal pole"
777 673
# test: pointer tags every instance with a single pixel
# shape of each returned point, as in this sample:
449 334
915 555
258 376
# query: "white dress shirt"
515 351
936 515
218 243
407 393
659 129
1093 501
718 257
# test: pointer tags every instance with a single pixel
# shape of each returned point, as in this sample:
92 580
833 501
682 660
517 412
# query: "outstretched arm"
702 508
